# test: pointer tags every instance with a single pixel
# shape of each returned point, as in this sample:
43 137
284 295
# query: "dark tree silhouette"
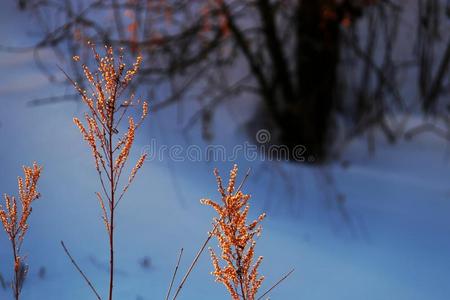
292 55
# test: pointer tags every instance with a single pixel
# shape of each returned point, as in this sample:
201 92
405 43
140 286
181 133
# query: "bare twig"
80 271
52 100
276 284
194 262
174 274
243 180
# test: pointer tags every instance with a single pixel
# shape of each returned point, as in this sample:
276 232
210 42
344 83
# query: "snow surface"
390 239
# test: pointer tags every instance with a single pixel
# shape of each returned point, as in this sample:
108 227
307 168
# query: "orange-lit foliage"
107 107
343 11
237 241
15 223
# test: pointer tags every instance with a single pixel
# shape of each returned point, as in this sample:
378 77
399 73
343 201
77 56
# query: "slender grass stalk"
107 105
80 271
276 284
15 223
174 274
16 285
191 267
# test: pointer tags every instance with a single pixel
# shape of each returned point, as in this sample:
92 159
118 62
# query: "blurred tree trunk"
307 120
292 49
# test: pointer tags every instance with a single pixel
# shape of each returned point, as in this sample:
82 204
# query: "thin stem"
276 284
80 271
174 274
194 262
243 181
111 254
241 281
112 206
78 89
15 287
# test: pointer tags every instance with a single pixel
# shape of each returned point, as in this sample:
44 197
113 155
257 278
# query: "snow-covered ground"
389 238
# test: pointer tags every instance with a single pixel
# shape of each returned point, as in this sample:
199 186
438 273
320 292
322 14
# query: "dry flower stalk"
236 240
107 107
15 223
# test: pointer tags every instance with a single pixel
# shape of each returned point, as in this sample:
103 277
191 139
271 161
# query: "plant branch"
194 262
276 284
174 274
80 271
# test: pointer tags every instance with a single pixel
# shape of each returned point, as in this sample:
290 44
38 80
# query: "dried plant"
107 107
237 241
15 223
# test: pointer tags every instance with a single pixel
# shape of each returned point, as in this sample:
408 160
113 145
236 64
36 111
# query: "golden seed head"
15 223
236 241
106 110
144 109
